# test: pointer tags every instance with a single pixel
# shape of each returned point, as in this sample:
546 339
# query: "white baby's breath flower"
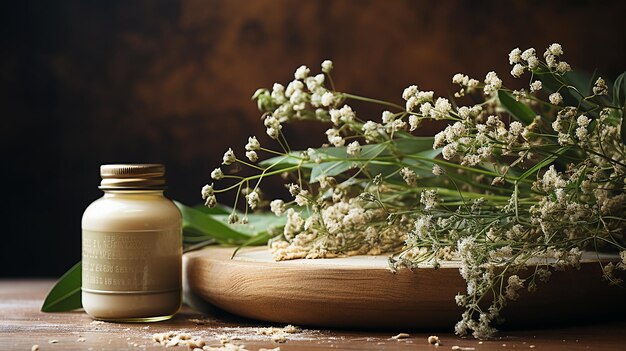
555 98
294 223
253 199
464 112
347 114
207 191
449 151
533 62
583 121
278 94
409 176
551 61
327 66
395 126
409 91
294 189
229 157
387 116
302 72
334 137
563 67
335 116
440 140
252 156
535 86
429 199
320 79
600 87
413 122
530 56
217 174
208 194
437 170
253 144
292 87
302 199
327 99
472 83
554 49
513 286
354 149
277 207
425 109
517 70
460 79
515 56
581 133
233 218
411 103
516 128
273 127
273 133
492 83
442 108
312 84
370 130
528 53
210 201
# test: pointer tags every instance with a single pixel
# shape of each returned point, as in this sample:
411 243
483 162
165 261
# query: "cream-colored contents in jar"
132 248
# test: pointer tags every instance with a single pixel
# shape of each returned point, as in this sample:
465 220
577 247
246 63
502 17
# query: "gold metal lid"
132 176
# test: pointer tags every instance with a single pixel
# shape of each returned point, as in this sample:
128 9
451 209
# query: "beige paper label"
138 261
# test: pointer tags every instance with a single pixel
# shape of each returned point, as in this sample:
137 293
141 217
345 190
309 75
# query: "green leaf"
258 223
623 127
197 223
518 110
415 144
281 162
259 239
217 210
619 90
546 161
66 293
333 168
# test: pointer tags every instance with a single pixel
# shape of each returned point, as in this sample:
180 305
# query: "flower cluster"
517 178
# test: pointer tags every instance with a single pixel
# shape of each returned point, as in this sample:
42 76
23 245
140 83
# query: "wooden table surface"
22 326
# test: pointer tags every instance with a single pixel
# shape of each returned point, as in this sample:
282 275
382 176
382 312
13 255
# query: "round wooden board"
360 292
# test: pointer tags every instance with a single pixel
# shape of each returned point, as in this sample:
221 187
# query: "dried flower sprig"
514 187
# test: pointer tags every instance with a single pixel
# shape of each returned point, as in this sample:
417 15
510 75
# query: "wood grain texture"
360 292
22 325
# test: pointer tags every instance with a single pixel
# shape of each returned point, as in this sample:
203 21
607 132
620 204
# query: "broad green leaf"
259 239
619 99
414 144
619 91
217 210
333 168
545 162
281 162
518 110
66 293
197 223
329 169
258 223
623 126
582 82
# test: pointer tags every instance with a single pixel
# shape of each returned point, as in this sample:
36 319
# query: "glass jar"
132 247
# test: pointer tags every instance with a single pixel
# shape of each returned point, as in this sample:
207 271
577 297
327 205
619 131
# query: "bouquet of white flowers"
518 184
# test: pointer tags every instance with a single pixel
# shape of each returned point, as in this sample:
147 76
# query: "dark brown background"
92 82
